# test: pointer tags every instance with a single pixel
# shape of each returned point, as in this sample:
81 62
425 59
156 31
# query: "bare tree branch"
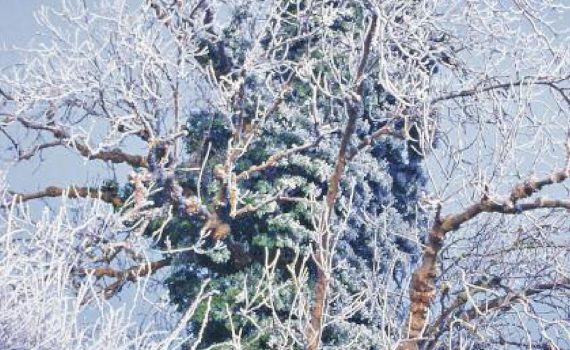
114 156
322 282
109 196
525 81
500 304
422 290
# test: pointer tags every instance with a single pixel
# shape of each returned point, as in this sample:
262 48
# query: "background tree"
339 174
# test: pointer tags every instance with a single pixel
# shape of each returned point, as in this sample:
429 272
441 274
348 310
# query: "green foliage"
382 184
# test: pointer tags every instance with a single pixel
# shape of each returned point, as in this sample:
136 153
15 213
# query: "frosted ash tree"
54 292
297 174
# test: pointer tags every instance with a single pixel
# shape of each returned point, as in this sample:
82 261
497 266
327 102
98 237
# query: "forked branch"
422 289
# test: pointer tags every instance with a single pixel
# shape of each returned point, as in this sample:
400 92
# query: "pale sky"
18 29
17 23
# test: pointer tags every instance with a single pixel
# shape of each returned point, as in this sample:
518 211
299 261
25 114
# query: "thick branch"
115 155
422 290
108 196
321 285
131 274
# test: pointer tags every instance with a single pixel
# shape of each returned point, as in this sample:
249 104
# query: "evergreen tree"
381 185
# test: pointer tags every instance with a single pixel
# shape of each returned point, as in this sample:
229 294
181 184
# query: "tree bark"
321 257
422 288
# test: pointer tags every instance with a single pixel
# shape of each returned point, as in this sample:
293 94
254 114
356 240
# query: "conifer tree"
381 185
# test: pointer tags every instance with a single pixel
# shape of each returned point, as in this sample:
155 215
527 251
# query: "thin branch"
34 151
6 95
368 140
251 208
132 274
275 158
507 302
526 81
502 303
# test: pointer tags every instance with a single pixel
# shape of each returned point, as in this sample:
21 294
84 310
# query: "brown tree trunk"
422 290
